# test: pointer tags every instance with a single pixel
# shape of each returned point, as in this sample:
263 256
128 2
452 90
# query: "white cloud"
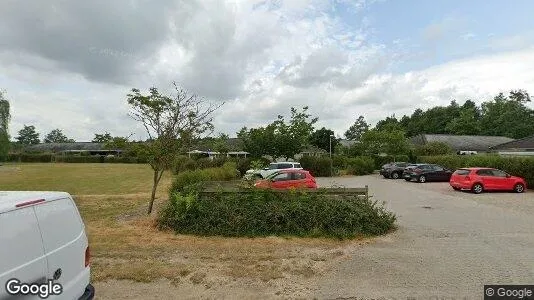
261 59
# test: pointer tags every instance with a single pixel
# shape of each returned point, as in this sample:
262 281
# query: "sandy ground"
449 245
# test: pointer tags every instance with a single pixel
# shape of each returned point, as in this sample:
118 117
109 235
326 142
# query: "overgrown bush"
360 165
264 213
518 166
186 178
121 160
30 157
339 161
318 166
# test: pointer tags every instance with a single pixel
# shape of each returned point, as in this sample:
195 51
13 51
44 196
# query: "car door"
298 180
281 181
486 176
429 172
500 180
440 174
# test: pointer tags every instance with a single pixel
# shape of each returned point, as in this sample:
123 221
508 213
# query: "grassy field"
112 199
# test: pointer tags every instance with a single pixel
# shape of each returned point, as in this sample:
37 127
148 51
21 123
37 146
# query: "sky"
70 64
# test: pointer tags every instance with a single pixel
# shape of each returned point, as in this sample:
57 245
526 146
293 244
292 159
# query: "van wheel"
422 179
477 188
519 188
395 175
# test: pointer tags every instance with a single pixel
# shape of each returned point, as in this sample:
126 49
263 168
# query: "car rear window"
297 166
285 166
462 172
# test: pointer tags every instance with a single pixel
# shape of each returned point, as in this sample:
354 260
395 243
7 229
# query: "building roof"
347 143
520 144
462 142
57 147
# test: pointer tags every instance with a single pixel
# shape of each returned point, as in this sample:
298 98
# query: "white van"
44 250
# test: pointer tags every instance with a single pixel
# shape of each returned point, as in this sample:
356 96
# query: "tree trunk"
154 189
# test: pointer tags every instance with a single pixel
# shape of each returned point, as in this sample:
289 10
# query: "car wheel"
455 188
477 188
422 179
408 179
395 175
519 188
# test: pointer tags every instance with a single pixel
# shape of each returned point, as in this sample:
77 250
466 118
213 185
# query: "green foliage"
517 166
187 178
26 157
5 118
355 132
501 116
392 142
183 163
360 165
339 161
116 143
102 138
79 159
434 148
321 139
318 166
280 138
57 136
28 135
263 213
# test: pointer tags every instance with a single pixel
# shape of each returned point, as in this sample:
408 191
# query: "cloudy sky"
70 64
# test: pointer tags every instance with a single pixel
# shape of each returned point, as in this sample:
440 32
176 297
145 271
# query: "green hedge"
79 159
184 163
360 165
264 213
318 166
27 157
188 178
518 166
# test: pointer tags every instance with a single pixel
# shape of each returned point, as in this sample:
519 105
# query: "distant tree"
321 138
171 124
354 133
117 143
465 124
28 136
508 116
102 138
57 136
280 138
392 142
221 143
5 118
389 124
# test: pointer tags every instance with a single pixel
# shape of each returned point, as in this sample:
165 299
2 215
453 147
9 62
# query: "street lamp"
331 162
331 136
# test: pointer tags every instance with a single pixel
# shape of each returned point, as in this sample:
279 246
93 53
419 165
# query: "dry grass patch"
125 244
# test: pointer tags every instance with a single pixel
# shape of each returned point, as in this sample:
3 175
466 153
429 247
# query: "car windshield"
273 166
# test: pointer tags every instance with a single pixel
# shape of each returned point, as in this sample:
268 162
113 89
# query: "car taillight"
87 257
30 202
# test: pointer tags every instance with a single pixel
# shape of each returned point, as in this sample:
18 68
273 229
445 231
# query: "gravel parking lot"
448 245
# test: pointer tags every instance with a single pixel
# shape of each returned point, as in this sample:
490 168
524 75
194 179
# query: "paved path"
448 246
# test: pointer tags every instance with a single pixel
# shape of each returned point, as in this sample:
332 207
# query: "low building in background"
463 144
519 147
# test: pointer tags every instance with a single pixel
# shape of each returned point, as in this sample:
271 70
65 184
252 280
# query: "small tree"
5 118
28 136
171 123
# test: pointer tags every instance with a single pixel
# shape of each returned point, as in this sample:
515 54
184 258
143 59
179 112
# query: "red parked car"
478 180
285 179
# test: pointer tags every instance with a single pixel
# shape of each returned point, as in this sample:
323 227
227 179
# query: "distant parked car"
393 170
478 180
285 179
427 172
273 168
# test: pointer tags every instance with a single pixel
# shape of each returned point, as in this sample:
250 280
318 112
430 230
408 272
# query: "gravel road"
448 245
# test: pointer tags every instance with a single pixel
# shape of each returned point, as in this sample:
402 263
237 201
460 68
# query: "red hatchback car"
285 179
478 180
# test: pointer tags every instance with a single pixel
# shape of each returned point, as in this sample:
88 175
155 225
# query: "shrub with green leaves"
360 165
186 178
517 166
318 166
264 212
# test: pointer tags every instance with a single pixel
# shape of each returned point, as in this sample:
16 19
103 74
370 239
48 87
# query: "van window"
20 242
60 223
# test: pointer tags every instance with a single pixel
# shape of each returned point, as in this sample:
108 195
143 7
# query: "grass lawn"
113 198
